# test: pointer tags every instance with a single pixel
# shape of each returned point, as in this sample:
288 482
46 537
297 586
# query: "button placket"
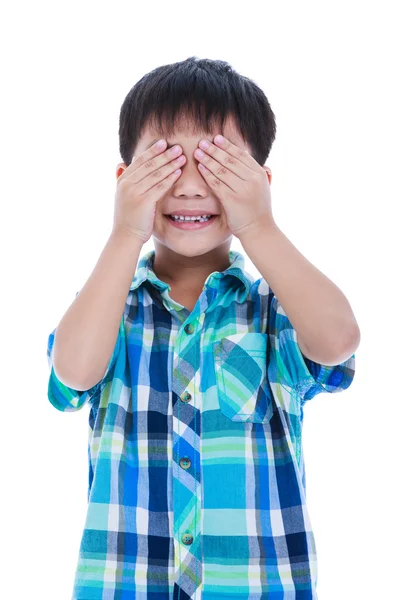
187 487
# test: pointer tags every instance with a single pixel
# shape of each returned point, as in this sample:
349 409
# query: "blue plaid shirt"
196 473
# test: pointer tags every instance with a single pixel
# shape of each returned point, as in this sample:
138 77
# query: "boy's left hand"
240 183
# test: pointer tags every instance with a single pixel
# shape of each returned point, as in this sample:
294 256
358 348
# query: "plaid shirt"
196 472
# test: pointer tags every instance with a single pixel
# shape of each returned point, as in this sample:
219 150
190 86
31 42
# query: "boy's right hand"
147 179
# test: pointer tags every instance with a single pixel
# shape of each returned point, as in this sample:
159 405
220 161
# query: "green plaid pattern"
196 474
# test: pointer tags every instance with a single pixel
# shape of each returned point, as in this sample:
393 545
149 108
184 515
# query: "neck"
176 269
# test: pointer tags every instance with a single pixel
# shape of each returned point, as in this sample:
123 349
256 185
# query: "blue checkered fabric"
196 475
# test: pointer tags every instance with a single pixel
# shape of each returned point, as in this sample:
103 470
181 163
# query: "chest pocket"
241 377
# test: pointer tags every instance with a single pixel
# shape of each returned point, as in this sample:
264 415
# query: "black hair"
204 92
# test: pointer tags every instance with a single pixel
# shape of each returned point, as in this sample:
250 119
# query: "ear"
268 173
120 169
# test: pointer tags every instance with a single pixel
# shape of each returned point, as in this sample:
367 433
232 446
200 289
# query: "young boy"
196 375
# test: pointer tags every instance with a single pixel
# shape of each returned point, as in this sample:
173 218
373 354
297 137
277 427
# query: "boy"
195 374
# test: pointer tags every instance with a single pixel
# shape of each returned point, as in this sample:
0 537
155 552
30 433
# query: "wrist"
263 226
126 236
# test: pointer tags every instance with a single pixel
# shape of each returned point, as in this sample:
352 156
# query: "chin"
183 249
189 243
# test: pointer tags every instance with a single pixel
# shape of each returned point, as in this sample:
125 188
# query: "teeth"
200 218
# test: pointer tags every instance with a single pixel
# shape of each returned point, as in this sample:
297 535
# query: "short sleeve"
307 377
67 399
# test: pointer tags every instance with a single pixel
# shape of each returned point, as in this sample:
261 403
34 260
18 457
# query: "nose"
190 166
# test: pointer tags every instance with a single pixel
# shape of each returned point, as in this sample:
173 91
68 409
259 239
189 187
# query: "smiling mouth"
190 224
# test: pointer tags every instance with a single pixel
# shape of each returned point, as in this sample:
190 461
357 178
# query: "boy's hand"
240 183
141 185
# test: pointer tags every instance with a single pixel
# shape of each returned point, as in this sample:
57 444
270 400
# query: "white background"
331 73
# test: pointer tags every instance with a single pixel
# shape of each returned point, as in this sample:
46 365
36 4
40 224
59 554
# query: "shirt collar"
144 272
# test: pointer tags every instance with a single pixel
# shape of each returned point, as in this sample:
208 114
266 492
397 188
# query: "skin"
184 259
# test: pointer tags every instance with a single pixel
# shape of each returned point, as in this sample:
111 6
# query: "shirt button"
185 462
185 397
189 328
187 539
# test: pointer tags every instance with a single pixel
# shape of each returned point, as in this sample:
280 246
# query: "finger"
151 159
215 179
159 177
212 156
241 155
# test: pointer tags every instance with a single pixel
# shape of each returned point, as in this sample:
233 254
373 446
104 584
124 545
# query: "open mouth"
192 224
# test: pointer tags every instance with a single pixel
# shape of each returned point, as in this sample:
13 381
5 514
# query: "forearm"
86 335
318 310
